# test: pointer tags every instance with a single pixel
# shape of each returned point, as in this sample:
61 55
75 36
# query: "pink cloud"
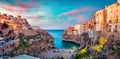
19 7
8 8
12 9
77 11
36 18
82 19
24 5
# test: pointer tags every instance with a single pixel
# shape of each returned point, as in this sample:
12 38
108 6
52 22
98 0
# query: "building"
107 19
17 21
118 1
99 18
8 39
113 17
78 28
70 30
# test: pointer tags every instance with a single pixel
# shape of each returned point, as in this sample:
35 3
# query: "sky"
54 14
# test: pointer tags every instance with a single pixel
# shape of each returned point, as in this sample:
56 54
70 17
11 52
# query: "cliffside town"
18 37
107 20
105 23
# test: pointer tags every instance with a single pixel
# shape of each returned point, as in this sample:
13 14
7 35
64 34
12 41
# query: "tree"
24 44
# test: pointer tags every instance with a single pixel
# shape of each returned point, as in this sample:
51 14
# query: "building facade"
8 39
78 28
14 21
113 17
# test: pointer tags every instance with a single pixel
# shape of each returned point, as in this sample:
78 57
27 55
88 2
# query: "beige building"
78 28
70 30
4 18
105 20
118 1
99 17
113 17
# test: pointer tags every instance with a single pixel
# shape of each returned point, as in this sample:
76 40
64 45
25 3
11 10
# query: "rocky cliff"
31 42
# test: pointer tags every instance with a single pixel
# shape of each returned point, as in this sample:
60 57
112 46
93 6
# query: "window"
116 26
1 32
110 21
109 25
10 32
4 26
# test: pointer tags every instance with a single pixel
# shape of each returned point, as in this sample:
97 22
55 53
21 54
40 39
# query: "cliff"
105 23
29 40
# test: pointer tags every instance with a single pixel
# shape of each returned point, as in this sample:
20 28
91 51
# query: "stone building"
70 30
108 19
15 21
78 28
99 17
113 17
8 40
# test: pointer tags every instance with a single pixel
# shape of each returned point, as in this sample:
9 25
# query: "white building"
78 28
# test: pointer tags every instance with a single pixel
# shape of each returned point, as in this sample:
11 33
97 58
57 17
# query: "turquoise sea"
58 43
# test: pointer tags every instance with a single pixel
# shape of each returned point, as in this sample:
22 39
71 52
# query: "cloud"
43 16
22 8
82 19
78 16
18 8
77 11
12 9
24 5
